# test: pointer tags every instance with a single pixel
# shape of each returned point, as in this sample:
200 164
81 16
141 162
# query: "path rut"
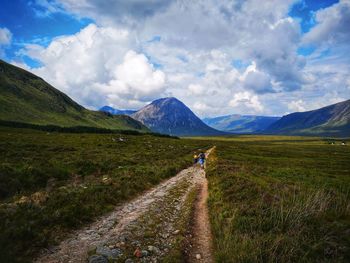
129 225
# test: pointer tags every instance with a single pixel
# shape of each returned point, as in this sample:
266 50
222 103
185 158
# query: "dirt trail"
200 240
150 222
201 249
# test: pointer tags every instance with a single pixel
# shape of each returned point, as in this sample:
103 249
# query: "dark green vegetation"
333 120
27 98
280 199
51 183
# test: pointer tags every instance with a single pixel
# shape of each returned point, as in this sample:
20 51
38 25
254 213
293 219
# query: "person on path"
195 158
201 159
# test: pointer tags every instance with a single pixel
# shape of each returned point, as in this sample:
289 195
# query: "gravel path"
142 230
201 249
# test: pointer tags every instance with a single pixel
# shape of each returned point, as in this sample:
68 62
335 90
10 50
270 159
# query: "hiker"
195 158
201 158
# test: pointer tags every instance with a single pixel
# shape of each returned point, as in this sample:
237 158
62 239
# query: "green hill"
333 120
25 97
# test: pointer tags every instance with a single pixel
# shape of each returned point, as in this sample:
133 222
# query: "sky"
222 57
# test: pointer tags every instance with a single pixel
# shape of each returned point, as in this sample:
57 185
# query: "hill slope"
116 111
171 116
333 120
240 123
27 98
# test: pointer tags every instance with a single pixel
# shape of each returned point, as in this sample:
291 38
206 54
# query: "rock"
109 253
176 232
138 253
129 260
198 256
98 259
165 236
153 249
123 239
135 243
145 253
116 252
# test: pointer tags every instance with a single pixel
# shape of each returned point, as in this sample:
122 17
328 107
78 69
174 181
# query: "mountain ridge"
333 120
237 123
114 111
171 116
27 98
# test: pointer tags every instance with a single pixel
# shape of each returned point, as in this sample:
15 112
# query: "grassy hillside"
280 199
27 98
51 183
333 120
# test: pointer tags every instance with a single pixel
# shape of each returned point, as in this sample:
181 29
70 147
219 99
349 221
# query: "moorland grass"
51 183
278 199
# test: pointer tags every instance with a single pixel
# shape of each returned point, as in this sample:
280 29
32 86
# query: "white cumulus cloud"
135 78
249 102
333 25
296 105
96 66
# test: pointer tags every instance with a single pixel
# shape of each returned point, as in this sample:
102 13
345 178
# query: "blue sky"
235 57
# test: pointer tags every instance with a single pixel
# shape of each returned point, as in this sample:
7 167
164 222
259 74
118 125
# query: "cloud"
5 40
248 101
5 36
116 11
140 50
136 79
296 105
195 89
45 8
97 67
332 25
256 80
201 108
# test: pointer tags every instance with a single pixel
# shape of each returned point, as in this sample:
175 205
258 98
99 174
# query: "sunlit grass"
280 202
51 183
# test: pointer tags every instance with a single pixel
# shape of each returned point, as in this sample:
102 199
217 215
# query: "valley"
282 195
174 131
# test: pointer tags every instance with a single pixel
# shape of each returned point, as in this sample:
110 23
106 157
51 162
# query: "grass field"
271 198
51 183
280 199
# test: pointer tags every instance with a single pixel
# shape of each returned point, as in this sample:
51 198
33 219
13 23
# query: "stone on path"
109 253
98 259
138 253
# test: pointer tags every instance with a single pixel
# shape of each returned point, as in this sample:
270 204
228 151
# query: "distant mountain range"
333 120
116 111
25 97
241 123
171 116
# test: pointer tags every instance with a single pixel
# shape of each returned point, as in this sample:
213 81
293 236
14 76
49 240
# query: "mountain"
171 116
24 97
333 120
116 111
240 123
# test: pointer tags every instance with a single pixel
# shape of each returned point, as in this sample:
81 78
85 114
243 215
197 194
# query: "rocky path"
146 229
200 239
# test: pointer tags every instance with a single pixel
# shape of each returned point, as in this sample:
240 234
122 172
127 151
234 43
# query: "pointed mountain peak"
171 116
